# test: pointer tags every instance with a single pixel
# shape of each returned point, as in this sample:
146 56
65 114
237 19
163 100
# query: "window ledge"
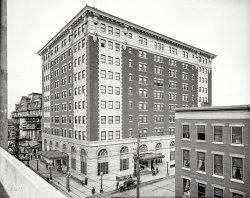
201 141
217 143
236 144
184 168
236 180
201 172
185 139
218 176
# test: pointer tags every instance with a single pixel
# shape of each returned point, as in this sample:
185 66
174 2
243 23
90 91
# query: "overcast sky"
221 27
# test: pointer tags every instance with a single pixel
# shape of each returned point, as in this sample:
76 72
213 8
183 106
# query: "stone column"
3 78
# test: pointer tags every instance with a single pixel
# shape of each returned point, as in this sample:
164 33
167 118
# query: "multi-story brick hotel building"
212 152
101 76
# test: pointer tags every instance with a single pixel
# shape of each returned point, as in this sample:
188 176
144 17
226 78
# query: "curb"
141 184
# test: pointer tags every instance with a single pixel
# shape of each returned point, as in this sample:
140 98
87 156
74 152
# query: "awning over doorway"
151 156
31 144
53 154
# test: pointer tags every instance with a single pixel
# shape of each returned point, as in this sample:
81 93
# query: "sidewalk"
78 190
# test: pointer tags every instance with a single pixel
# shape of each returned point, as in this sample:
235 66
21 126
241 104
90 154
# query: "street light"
101 190
50 172
67 181
37 163
167 169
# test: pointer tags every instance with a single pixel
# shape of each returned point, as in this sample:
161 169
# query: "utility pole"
3 77
137 163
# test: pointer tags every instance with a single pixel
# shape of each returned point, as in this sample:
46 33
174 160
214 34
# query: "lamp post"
167 169
37 163
50 172
67 181
101 190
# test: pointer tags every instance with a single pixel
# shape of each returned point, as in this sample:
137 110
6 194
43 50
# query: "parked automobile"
128 184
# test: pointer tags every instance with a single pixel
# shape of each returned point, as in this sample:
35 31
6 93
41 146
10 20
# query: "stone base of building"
114 159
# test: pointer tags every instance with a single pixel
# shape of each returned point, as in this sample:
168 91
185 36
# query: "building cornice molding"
87 10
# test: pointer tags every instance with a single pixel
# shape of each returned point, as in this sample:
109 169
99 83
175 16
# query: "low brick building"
212 152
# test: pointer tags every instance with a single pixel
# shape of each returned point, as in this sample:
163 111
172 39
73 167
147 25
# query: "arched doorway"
83 159
103 162
73 158
124 158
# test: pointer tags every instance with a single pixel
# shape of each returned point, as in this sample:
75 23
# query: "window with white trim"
237 135
218 164
201 161
237 168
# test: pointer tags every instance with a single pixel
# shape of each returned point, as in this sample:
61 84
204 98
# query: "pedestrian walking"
157 170
153 172
86 181
46 164
93 191
117 185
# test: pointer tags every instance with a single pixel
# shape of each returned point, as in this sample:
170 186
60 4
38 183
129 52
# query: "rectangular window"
111 136
201 161
103 43
117 47
103 104
110 104
218 133
117 119
103 58
103 119
117 76
218 193
117 61
110 60
124 164
186 159
186 187
103 135
236 135
103 74
236 195
110 45
103 167
117 32
117 134
218 165
201 132
110 75
117 105
103 89
237 168
103 27
110 30
117 90
185 131
201 190
111 120
110 90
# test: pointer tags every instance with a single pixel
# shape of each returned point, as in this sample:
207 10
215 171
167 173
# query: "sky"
221 27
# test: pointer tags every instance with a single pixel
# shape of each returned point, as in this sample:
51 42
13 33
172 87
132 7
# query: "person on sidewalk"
117 185
157 170
93 191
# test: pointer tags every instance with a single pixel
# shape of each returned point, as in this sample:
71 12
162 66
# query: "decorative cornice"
87 10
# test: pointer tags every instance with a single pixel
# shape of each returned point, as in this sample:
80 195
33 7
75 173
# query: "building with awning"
151 156
53 154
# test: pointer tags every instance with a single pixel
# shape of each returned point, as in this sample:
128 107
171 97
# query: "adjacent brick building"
212 152
28 113
101 76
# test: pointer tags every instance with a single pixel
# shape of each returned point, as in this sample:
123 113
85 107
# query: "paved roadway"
162 188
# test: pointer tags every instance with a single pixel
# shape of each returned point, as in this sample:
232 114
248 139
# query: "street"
162 188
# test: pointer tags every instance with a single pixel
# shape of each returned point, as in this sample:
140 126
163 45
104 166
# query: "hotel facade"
212 152
28 113
103 75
